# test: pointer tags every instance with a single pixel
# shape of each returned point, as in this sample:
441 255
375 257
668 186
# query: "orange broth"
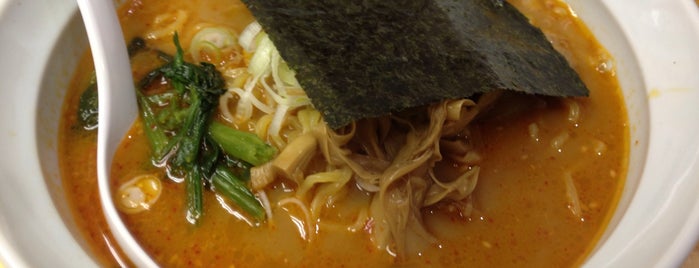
522 215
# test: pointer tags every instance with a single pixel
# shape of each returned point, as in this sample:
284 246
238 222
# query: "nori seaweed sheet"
358 59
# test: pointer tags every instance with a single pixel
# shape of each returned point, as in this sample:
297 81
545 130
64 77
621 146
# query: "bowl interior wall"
69 48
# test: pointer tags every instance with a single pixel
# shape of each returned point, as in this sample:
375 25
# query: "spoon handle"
117 109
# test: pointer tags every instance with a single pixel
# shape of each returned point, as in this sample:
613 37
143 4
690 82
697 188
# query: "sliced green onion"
260 63
212 40
287 75
206 47
247 37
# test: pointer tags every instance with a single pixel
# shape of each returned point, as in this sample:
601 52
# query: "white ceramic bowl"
655 44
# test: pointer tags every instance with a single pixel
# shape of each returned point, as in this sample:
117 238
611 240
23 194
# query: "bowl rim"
663 35
671 223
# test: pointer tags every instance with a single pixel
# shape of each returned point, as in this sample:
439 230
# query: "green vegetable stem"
235 189
243 145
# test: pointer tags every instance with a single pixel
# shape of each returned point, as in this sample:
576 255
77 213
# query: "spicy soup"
551 171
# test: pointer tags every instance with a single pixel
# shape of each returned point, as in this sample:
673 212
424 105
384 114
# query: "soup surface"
551 171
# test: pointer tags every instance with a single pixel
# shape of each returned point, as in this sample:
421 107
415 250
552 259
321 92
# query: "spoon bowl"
117 110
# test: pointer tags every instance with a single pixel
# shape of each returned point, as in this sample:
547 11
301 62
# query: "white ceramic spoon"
117 110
